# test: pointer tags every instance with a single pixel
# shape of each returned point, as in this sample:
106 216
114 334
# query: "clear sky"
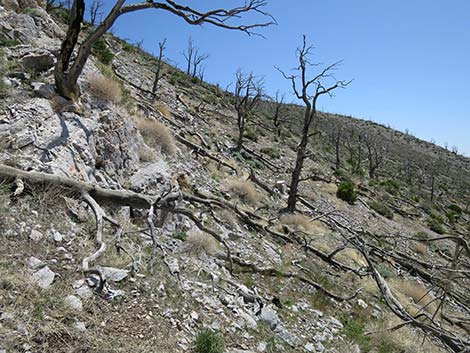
410 59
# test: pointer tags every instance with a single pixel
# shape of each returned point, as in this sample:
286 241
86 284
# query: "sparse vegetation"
102 52
197 243
105 88
209 342
156 134
381 209
347 192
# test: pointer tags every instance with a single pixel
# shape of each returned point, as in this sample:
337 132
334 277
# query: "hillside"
130 223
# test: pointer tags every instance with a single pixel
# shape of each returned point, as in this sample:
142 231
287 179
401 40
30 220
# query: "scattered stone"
43 90
84 292
7 317
309 347
261 347
113 274
80 326
362 303
35 235
44 277
38 62
320 347
56 235
74 302
270 317
335 322
34 263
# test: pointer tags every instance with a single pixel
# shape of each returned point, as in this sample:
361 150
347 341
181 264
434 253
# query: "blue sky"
410 60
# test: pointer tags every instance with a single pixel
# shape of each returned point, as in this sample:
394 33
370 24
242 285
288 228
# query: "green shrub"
435 224
250 134
3 71
180 235
354 330
128 47
195 80
102 52
422 235
391 186
61 13
8 42
381 209
209 342
347 192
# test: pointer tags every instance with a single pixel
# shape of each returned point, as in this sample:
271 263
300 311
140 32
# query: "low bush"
209 342
105 88
436 225
381 209
391 186
155 134
346 191
250 134
8 42
271 152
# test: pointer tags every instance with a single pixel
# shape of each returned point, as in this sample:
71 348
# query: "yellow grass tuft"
156 134
413 296
163 109
245 190
104 88
302 222
421 248
198 243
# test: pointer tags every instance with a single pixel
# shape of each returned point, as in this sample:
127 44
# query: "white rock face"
270 317
44 277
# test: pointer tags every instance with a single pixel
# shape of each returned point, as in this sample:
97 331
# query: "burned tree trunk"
318 88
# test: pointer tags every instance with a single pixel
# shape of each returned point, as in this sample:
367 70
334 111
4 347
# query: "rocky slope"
294 283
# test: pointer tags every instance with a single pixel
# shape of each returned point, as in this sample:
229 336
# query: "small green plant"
435 224
195 80
354 330
250 134
128 47
381 209
346 191
391 186
180 235
209 342
61 13
102 52
8 42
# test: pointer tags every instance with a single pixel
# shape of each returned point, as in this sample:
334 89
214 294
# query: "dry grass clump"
163 109
304 223
420 248
404 340
104 88
156 134
419 295
198 243
245 190
354 256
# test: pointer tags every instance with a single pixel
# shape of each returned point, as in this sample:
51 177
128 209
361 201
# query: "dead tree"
376 151
193 58
337 141
279 111
67 71
161 49
248 93
308 91
96 11
356 154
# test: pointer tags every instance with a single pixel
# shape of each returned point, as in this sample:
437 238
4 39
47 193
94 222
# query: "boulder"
44 277
38 61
